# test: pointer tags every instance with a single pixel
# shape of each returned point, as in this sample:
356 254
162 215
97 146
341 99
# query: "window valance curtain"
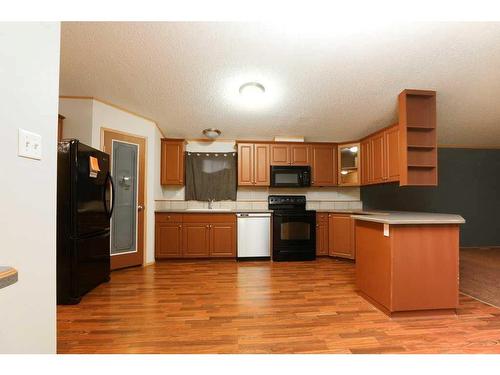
211 176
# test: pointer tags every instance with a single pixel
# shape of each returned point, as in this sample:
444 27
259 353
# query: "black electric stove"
294 228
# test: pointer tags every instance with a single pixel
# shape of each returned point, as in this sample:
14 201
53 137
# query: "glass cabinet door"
349 164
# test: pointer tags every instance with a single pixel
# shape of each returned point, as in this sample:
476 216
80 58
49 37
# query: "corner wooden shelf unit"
418 141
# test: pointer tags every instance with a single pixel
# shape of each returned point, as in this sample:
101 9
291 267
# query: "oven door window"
286 178
295 231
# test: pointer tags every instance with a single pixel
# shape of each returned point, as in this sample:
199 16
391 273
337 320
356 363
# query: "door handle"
140 208
109 180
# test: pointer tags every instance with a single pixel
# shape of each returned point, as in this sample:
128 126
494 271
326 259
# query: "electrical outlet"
30 145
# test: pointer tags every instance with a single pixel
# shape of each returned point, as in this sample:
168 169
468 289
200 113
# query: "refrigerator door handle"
110 179
112 195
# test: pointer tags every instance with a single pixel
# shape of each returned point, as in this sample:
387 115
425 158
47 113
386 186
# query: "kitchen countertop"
346 211
385 217
8 276
212 211
403 217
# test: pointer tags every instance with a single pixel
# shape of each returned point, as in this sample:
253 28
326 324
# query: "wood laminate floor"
480 274
258 307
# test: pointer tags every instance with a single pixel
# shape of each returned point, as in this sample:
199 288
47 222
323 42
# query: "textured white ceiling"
324 82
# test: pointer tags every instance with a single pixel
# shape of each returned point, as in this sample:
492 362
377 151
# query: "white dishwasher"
254 235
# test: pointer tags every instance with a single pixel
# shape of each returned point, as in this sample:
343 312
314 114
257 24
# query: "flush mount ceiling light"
211 133
252 89
354 149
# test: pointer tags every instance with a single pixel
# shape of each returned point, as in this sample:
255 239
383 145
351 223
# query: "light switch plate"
30 145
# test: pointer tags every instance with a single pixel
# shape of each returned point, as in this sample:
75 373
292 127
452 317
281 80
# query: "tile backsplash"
338 198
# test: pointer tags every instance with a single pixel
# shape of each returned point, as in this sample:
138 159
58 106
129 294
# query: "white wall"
29 76
78 121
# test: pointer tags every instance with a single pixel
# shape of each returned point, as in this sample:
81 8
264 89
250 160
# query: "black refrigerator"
84 209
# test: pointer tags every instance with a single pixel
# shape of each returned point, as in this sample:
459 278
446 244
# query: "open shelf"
417 118
421 146
422 176
421 166
423 128
422 156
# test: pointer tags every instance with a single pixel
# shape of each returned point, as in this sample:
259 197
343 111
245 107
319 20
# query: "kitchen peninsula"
407 263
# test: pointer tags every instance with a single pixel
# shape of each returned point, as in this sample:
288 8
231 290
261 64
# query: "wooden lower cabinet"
222 240
321 234
335 235
341 236
168 240
195 235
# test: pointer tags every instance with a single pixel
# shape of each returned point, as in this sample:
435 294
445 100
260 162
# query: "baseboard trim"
479 300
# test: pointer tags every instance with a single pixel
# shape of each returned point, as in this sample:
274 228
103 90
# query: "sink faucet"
210 203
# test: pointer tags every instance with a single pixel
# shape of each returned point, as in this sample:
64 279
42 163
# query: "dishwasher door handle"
251 215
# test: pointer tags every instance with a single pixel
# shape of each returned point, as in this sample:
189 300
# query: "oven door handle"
295 214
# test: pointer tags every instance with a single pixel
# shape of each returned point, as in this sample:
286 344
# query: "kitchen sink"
208 209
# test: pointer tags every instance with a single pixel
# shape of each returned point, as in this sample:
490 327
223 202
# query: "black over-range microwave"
290 176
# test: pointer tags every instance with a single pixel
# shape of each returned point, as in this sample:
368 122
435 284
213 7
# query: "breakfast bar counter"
407 263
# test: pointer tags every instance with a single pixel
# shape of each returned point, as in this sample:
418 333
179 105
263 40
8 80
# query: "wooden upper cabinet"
253 164
261 165
392 153
380 157
324 165
366 168
290 154
341 236
280 154
377 143
349 164
300 155
245 164
172 161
